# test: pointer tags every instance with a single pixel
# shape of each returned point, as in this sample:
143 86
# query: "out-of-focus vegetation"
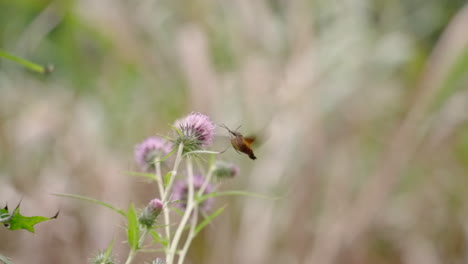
361 104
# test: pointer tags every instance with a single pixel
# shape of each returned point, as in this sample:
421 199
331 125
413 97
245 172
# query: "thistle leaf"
16 220
133 228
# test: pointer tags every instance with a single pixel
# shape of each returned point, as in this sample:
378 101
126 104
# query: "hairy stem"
187 213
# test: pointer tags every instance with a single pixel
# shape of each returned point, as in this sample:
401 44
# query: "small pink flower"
149 149
181 189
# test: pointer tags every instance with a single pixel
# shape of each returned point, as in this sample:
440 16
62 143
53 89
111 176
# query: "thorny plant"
184 189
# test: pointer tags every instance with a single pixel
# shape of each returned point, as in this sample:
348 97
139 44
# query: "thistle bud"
150 213
224 170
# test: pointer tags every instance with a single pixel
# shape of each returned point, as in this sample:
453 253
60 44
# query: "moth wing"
249 140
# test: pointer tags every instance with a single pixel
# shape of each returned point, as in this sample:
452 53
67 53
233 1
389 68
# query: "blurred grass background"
361 101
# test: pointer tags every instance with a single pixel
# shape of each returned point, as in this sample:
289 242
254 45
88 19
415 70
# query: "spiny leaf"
133 228
16 220
88 199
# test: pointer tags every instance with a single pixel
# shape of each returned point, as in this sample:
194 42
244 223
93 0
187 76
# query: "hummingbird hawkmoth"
241 143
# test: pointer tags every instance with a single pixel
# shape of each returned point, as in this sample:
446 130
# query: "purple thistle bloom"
149 149
197 131
181 189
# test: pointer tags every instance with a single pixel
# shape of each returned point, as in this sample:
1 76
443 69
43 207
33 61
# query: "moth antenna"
224 126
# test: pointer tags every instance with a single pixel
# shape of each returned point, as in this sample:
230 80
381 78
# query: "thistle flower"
224 170
181 190
151 212
196 131
102 258
149 149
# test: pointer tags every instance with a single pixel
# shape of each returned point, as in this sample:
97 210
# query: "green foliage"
133 230
16 221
